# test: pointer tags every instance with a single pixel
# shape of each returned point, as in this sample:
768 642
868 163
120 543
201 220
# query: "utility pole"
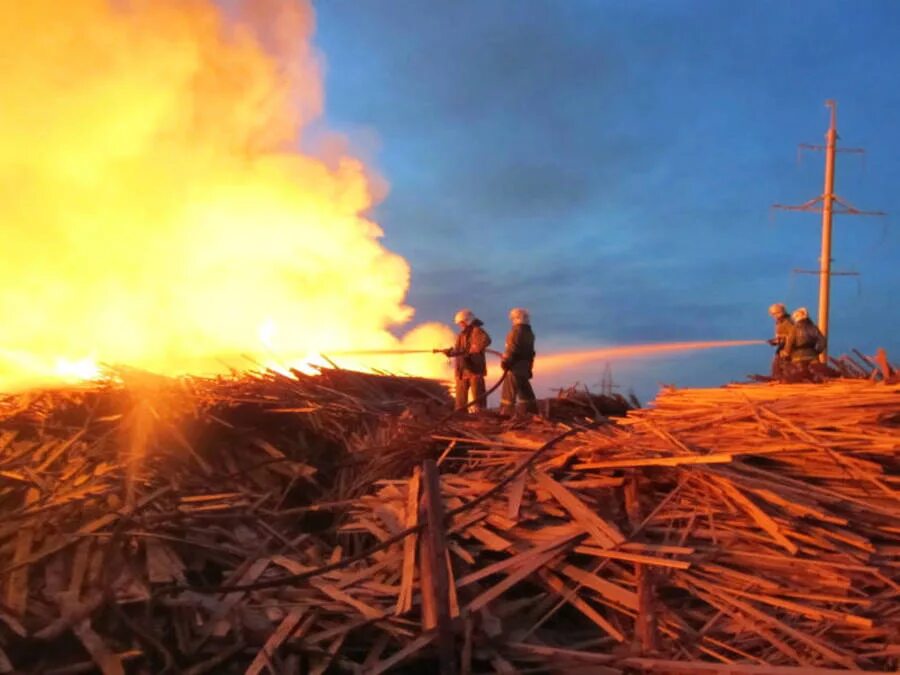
827 212
826 204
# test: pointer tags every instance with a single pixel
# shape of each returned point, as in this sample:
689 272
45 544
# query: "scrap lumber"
284 523
436 553
770 536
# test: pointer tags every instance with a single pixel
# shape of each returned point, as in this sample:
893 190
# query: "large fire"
155 209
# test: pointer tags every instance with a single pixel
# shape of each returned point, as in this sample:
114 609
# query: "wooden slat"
438 564
605 534
16 592
262 659
405 597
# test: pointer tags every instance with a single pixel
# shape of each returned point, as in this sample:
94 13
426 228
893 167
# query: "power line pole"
825 203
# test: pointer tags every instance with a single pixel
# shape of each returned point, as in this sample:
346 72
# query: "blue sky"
610 164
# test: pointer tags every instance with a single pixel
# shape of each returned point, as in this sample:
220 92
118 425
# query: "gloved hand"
505 364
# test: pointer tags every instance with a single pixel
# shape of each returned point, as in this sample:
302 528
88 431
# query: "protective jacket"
469 349
783 326
805 342
518 356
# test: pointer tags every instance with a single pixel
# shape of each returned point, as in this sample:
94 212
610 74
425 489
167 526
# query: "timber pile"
288 525
742 525
846 366
110 492
873 367
578 403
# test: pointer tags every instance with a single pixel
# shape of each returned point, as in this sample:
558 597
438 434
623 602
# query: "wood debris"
301 524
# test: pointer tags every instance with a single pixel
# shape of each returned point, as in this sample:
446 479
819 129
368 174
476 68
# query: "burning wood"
283 523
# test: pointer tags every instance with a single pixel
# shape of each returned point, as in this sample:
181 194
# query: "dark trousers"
805 369
465 384
779 366
517 394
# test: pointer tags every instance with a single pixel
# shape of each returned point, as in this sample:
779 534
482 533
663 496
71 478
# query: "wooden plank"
437 552
163 565
79 567
527 568
679 460
570 595
759 516
609 590
426 582
605 534
107 661
451 585
262 659
766 619
632 500
633 557
816 613
517 560
491 541
16 594
401 655
516 491
465 667
335 593
747 624
645 622
405 596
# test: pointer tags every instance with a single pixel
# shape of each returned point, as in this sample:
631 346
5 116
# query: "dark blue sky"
610 164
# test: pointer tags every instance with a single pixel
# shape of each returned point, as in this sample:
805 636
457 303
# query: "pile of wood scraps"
751 525
575 403
876 367
344 523
111 492
857 365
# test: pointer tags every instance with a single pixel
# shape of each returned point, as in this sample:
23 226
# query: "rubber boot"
524 409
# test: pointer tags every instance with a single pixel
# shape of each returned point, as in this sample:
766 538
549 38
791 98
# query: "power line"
828 204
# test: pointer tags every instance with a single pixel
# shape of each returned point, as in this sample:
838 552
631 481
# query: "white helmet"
464 316
800 313
519 315
777 309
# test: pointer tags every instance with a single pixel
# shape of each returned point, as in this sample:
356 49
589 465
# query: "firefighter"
783 325
804 343
470 362
517 396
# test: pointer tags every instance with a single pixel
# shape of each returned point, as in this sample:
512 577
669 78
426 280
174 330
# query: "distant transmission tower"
825 203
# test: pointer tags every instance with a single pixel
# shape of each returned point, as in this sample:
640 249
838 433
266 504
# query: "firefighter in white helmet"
517 396
470 362
805 341
783 325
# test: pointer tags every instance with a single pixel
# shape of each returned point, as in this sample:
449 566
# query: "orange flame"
154 209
